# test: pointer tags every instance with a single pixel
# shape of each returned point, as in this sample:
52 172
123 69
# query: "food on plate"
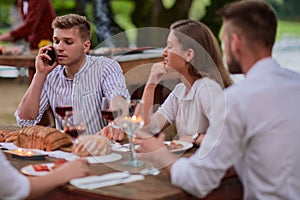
47 168
174 146
91 145
39 137
40 168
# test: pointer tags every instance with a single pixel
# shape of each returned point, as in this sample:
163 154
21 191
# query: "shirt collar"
180 94
261 67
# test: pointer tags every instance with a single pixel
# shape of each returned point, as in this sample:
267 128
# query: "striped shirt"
99 77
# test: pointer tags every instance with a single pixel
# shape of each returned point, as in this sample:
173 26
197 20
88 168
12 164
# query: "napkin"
8 145
60 154
93 182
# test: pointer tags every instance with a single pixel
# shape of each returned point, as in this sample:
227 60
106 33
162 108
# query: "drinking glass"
74 124
63 104
109 112
154 128
130 122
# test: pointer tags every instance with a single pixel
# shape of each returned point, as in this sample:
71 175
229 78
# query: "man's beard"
233 65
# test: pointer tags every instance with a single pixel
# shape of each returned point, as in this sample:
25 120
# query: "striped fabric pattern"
100 76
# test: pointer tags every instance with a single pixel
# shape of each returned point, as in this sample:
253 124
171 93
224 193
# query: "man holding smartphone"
82 78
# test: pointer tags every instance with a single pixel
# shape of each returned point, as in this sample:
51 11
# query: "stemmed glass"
130 122
109 112
154 128
74 124
62 105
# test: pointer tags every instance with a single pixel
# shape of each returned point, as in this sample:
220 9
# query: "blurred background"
110 17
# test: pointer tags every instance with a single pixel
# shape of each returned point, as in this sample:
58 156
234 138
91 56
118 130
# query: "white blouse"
13 185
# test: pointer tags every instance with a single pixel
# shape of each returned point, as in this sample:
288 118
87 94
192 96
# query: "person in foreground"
193 52
81 78
15 185
260 134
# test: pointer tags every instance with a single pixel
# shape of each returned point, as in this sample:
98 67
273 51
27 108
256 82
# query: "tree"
105 25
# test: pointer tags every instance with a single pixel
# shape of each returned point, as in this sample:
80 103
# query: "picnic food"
38 137
91 145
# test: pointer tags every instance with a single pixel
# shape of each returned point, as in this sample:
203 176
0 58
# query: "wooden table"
151 188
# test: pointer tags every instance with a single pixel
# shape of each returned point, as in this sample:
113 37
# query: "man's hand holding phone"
45 60
51 53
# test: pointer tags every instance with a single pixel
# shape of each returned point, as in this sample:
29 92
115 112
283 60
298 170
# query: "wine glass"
74 124
110 112
154 128
63 104
130 122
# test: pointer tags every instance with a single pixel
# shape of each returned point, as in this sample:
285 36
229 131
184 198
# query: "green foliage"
64 7
122 15
198 9
288 28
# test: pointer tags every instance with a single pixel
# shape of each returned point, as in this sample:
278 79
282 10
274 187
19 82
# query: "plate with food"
41 169
178 146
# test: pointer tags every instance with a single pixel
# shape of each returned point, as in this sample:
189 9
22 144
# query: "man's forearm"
28 108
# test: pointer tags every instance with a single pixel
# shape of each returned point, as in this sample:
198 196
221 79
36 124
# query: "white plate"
186 145
99 159
29 170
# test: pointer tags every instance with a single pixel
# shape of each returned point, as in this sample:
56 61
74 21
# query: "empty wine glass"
74 124
130 123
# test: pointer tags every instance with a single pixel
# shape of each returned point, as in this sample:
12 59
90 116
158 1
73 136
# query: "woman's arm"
62 175
158 71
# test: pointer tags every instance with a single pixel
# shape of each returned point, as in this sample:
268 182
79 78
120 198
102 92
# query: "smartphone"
52 55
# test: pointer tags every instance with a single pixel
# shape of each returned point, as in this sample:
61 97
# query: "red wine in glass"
61 110
74 132
110 115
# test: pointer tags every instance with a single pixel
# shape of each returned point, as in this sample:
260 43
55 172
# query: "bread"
39 137
91 145
2 135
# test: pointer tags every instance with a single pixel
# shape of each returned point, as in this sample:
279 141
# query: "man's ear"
86 46
235 42
190 53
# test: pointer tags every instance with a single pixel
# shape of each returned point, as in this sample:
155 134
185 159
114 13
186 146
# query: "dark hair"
255 19
74 21
208 56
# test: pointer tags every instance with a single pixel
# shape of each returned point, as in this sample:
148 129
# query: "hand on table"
74 169
112 133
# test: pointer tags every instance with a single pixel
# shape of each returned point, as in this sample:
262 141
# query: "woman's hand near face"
158 72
